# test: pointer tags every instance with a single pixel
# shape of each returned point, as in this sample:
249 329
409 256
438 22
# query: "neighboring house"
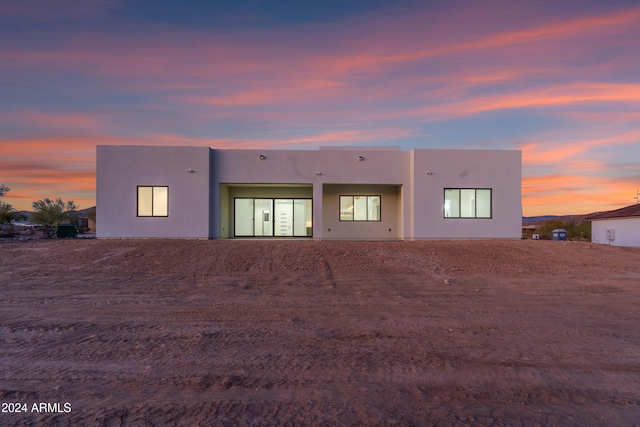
81 222
332 193
620 227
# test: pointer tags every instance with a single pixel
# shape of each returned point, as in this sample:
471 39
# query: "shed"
559 234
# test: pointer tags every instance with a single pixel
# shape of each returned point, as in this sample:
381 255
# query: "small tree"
7 211
50 213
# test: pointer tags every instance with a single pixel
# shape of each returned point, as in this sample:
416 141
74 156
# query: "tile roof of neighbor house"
627 212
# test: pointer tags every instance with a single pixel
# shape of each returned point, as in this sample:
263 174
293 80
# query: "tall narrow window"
153 201
483 203
451 203
467 203
360 208
373 208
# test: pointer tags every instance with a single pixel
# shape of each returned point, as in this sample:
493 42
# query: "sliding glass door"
271 217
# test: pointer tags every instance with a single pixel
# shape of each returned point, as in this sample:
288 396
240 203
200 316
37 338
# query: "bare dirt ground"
445 333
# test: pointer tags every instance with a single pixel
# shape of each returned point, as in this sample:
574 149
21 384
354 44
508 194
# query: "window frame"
353 219
475 210
152 187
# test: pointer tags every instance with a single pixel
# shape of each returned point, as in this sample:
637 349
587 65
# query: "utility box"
67 231
611 235
559 234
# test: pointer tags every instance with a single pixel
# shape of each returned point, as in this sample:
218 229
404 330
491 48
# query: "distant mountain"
537 220
82 212
534 219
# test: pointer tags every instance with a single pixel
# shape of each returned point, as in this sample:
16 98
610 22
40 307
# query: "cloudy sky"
559 80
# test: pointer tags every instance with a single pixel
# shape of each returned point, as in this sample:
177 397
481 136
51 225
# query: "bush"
50 213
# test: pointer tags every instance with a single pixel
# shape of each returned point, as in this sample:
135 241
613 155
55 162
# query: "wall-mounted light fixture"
262 157
190 170
429 173
318 173
360 158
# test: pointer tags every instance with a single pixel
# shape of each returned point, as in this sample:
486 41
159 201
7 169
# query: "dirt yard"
233 333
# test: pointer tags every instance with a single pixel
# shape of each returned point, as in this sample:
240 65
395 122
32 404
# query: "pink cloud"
260 69
572 94
572 146
193 54
360 80
338 137
64 166
39 119
32 181
575 194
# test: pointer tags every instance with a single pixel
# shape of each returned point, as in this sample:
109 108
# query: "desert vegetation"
47 213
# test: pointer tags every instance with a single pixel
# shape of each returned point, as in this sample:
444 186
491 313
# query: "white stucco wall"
499 170
227 205
200 203
389 226
627 231
120 169
336 166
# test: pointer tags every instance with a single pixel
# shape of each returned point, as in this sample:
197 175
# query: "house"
380 193
620 227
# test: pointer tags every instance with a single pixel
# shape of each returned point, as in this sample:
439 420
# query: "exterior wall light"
429 173
360 158
318 173
262 157
190 170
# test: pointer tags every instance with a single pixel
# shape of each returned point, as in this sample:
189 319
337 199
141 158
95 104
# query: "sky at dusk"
559 80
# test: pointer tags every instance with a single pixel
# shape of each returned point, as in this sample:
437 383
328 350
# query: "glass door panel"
243 217
283 215
263 217
302 225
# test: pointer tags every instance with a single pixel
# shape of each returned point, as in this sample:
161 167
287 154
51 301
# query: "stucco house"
620 227
380 193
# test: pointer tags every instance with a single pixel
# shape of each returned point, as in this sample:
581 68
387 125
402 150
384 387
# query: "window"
153 201
467 203
360 208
